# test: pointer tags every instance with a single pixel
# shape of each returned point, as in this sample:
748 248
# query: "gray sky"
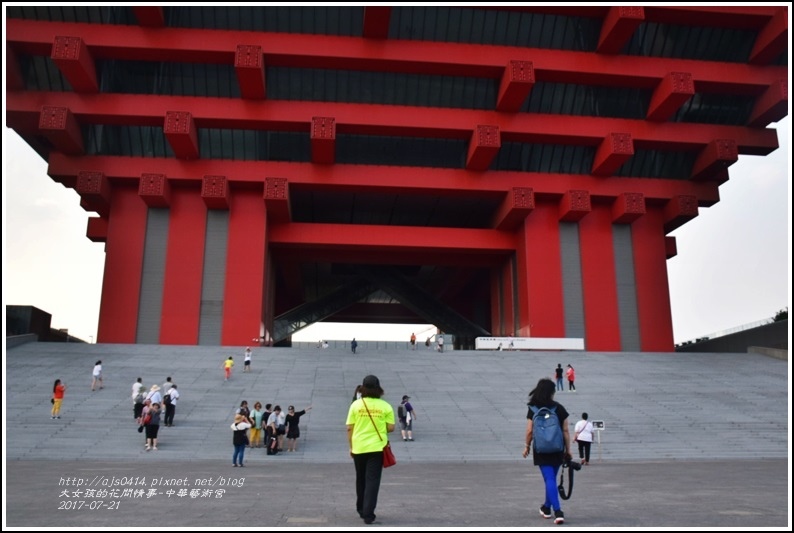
732 267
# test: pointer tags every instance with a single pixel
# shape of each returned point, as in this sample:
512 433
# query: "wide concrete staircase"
471 405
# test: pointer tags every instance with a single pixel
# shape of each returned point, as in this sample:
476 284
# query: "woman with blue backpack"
547 434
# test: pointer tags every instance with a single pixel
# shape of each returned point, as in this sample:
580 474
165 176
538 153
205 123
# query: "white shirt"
98 370
174 394
136 389
584 428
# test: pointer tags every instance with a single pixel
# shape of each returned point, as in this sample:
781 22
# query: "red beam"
151 16
385 120
277 200
60 127
518 203
717 155
323 140
574 206
619 25
180 131
772 106
451 59
671 93
250 68
615 149
154 190
74 60
772 40
391 179
484 146
342 237
627 208
376 22
517 82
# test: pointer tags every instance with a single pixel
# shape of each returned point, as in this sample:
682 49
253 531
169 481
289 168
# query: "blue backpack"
546 430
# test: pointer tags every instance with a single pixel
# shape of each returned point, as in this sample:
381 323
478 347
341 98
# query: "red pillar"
183 268
650 273
245 270
121 286
540 296
599 286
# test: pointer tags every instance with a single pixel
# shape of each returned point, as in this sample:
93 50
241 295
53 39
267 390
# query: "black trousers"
170 410
137 409
369 467
584 450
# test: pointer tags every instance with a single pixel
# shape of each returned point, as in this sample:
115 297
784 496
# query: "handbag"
388 456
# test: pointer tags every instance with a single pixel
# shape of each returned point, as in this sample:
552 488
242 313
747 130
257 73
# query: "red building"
505 170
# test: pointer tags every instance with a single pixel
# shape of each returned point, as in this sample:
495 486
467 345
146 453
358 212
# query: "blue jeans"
369 467
239 452
549 479
559 384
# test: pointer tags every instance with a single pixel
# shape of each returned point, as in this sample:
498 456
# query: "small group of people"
267 427
570 373
149 406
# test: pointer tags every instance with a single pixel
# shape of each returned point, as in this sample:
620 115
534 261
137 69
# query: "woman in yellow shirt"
369 419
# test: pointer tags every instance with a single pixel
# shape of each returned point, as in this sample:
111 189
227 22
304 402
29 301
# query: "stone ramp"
470 405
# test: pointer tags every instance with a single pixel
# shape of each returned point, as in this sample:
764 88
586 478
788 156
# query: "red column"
183 268
540 297
121 285
650 273
245 271
599 286
508 298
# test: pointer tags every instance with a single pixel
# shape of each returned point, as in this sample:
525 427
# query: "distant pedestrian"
293 430
406 415
549 463
353 345
441 343
368 422
153 426
166 386
154 395
583 436
138 396
169 400
277 425
255 436
413 341
571 375
558 375
58 390
247 363
240 438
97 376
227 368
427 342
244 410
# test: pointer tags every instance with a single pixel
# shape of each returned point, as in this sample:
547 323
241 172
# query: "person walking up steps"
583 436
406 416
58 390
558 376
571 375
247 363
227 368
97 376
550 443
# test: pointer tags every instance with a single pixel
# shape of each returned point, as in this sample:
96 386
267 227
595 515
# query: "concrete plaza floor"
690 440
